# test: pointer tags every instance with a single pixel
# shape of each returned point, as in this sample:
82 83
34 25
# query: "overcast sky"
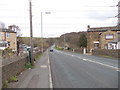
66 15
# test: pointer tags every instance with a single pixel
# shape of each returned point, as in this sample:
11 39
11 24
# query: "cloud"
66 15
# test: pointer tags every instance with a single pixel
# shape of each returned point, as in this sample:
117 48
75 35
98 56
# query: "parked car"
51 50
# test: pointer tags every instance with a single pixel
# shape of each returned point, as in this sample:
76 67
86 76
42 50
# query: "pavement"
0 73
72 70
39 77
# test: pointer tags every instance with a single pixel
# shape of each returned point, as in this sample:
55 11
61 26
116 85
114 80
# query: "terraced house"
8 39
103 38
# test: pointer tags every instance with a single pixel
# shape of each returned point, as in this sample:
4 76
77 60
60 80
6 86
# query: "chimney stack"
88 27
10 27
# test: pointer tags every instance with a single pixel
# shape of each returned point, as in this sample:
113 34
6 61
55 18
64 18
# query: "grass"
5 84
28 66
58 48
106 56
12 79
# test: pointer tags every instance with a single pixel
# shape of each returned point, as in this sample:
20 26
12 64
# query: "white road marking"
116 68
50 75
43 66
84 59
72 55
103 64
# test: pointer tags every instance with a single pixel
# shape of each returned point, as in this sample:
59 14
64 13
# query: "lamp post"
42 29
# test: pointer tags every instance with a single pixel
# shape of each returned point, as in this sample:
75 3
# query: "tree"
83 41
2 25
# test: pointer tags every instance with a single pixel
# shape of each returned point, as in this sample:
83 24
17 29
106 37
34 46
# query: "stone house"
8 38
98 38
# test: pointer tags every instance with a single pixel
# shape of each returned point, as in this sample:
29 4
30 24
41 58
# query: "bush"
28 65
8 52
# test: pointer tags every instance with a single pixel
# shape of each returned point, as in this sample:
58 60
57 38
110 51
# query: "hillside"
47 42
71 39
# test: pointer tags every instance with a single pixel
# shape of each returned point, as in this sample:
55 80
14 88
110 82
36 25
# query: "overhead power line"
102 6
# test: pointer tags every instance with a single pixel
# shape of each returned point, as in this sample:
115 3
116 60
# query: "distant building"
98 38
8 39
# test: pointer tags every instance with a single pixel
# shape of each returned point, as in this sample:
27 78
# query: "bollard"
84 51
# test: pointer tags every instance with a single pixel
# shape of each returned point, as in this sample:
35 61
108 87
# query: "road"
72 70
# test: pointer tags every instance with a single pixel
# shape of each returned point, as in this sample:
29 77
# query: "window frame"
110 37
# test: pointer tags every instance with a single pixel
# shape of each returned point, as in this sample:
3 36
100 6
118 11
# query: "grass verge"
106 56
59 48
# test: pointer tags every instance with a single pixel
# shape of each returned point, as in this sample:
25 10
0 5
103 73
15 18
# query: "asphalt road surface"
71 70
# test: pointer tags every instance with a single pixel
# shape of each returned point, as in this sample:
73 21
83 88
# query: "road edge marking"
50 74
103 64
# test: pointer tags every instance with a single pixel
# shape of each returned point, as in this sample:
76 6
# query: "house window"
96 45
3 44
109 36
7 34
8 43
1 34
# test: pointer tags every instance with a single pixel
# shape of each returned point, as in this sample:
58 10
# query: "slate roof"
114 28
7 30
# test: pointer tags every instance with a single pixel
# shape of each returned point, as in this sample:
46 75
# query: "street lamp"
42 29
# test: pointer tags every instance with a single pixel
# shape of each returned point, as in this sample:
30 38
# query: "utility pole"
31 33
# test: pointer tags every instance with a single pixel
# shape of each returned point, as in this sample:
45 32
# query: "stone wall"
14 68
80 50
105 52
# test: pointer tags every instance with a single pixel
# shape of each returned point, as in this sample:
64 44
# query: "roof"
113 28
7 30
